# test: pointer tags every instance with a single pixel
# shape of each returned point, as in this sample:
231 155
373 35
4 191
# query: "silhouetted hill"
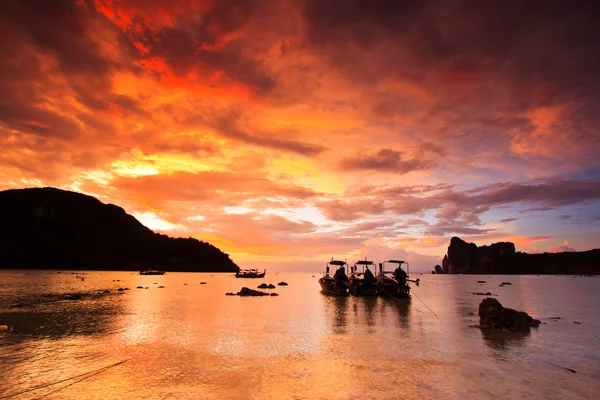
57 229
501 258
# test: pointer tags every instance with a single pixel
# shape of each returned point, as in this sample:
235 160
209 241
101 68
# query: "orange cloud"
334 126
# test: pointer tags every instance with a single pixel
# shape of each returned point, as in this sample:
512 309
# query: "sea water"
188 340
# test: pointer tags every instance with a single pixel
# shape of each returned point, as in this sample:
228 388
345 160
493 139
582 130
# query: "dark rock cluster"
249 292
265 286
492 315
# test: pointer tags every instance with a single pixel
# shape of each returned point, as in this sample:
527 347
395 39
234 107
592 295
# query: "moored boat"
362 283
334 285
151 272
394 282
250 273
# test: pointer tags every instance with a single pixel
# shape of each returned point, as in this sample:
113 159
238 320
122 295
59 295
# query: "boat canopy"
364 262
337 262
396 261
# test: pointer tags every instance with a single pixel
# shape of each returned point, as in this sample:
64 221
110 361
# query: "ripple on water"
186 341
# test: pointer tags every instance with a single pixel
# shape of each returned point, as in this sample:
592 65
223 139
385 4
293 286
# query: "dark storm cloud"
202 41
30 118
443 229
386 160
229 130
44 42
107 101
537 50
466 207
359 19
553 193
57 28
183 52
457 211
537 209
233 123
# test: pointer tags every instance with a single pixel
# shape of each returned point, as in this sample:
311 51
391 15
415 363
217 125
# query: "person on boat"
340 278
400 275
340 275
368 279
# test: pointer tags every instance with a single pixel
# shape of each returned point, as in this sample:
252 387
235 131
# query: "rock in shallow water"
492 315
249 292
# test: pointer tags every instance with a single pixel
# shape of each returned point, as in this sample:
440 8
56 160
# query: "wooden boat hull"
261 275
357 289
330 287
250 274
390 287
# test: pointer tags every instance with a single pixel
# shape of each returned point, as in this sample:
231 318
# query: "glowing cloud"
291 131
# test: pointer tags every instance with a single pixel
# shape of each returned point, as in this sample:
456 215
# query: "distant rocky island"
501 258
49 228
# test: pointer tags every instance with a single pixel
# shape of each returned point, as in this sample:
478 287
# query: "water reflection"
192 341
399 309
369 306
365 312
503 340
62 318
337 309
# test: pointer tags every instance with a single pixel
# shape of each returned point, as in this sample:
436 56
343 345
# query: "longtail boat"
330 285
151 272
250 273
394 284
357 284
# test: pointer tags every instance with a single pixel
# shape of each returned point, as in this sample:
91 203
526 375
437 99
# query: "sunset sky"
289 132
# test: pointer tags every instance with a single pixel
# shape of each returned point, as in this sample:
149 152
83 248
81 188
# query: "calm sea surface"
190 341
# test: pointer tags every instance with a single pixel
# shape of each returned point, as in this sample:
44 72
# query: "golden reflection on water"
188 340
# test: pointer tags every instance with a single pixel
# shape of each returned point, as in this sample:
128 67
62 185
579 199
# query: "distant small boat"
356 280
388 284
331 286
250 273
151 272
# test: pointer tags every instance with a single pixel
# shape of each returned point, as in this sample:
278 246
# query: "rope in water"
402 302
84 376
425 305
568 369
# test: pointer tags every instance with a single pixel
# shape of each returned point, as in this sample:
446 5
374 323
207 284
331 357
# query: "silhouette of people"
340 277
400 275
368 278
